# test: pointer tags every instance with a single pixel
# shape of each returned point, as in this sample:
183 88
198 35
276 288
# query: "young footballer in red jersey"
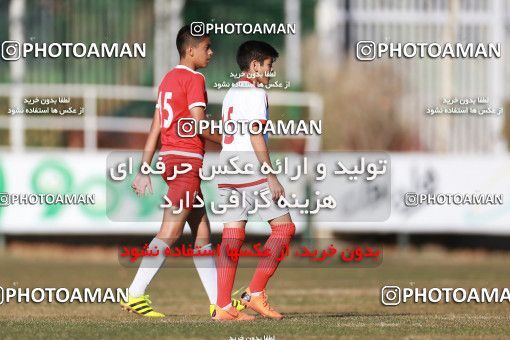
248 102
181 94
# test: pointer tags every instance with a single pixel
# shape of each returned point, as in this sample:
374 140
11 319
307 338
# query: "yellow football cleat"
140 306
237 304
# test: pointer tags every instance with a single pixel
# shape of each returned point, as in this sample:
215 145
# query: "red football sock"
281 233
232 238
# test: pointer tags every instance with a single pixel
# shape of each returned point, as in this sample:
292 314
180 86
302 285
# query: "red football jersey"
180 90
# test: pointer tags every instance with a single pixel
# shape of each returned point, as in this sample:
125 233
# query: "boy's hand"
142 183
275 187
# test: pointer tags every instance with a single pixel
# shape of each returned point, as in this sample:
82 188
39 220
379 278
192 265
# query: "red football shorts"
185 186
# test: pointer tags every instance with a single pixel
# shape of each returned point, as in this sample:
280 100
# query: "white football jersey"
243 103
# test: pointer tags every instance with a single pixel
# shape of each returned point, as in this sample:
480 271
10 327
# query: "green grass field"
318 302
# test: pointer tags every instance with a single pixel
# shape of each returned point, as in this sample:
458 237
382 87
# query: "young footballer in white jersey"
247 102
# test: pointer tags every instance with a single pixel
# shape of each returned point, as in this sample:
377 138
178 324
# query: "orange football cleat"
231 314
260 304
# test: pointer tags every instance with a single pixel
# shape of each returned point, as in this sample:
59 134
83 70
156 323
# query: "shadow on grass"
341 315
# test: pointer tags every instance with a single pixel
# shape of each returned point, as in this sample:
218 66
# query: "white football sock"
148 268
227 307
206 268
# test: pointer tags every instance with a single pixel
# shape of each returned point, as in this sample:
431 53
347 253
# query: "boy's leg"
282 230
205 265
170 231
232 238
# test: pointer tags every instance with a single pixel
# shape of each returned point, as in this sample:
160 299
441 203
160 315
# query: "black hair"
254 50
185 39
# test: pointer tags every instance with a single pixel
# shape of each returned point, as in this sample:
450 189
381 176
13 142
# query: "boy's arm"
197 99
198 113
143 182
152 139
260 147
